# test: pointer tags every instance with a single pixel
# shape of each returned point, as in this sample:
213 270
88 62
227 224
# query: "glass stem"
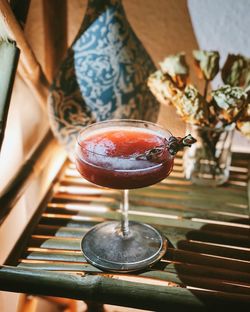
124 214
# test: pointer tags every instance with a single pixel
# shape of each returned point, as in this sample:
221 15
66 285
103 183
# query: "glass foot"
105 247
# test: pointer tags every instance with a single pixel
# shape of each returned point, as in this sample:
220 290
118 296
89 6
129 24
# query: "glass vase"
208 161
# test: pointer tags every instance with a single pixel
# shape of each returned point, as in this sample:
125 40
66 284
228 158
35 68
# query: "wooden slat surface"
208 230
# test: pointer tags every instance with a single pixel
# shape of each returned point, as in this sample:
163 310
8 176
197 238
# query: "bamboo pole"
180 275
101 289
9 55
30 69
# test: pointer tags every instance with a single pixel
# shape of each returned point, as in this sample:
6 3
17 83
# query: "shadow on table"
213 262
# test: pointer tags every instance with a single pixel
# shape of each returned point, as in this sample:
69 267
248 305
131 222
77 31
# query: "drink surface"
115 157
121 142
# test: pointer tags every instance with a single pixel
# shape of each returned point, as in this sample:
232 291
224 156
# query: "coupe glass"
123 154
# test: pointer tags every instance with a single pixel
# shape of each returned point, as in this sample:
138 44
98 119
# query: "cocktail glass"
123 154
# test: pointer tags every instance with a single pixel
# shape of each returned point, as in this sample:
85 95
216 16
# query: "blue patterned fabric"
103 76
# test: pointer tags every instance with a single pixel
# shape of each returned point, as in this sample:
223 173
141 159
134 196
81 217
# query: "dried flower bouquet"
211 112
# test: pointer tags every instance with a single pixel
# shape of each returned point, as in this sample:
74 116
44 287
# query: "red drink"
110 157
124 154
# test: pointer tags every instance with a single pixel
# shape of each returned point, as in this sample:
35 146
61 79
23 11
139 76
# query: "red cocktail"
113 157
124 154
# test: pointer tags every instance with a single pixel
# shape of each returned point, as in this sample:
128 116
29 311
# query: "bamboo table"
207 264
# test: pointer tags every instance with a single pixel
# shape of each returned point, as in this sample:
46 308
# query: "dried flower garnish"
173 145
154 154
176 144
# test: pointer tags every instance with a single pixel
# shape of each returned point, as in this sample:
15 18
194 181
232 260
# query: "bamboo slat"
176 255
207 264
73 243
175 230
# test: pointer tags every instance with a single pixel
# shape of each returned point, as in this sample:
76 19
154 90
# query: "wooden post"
30 69
55 29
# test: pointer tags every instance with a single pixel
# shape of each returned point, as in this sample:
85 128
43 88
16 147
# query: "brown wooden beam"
20 9
55 29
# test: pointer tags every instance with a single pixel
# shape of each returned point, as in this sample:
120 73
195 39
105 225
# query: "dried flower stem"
205 89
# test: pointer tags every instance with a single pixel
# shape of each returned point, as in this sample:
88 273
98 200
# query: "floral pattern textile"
103 75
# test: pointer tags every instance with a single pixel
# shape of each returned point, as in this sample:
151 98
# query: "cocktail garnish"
153 154
176 144
173 145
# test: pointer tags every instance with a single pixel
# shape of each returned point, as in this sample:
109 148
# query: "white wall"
223 25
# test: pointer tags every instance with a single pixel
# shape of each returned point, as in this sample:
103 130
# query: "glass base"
209 180
105 247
